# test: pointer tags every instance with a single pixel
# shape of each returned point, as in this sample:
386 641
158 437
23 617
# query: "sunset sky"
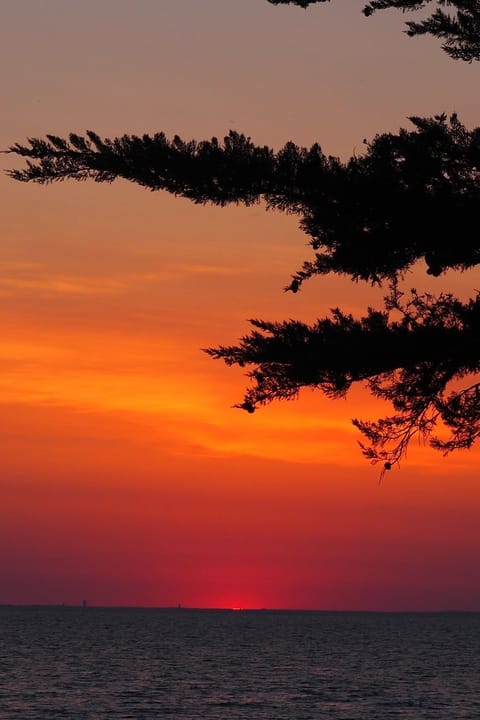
126 476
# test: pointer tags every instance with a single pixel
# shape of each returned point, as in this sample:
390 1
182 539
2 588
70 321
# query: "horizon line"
180 608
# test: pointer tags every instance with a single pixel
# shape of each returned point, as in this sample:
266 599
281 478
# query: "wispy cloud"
17 277
62 285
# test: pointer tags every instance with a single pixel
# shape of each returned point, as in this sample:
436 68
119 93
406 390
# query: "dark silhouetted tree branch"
459 29
412 195
416 359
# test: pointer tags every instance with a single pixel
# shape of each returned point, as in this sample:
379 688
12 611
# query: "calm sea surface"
79 664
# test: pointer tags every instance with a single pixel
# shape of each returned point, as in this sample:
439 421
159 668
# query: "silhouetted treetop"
412 195
414 354
459 30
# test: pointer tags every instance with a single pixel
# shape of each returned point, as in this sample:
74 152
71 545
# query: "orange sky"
126 476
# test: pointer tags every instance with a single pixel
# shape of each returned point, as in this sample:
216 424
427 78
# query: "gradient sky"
126 476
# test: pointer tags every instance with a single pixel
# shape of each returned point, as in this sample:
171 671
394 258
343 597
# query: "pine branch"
411 362
461 33
460 30
412 195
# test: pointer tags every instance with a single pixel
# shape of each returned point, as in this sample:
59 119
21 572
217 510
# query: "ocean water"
95 663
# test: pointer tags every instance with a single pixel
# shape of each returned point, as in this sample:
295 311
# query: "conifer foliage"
455 22
411 196
421 353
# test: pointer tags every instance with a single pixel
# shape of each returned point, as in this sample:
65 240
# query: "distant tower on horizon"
84 604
